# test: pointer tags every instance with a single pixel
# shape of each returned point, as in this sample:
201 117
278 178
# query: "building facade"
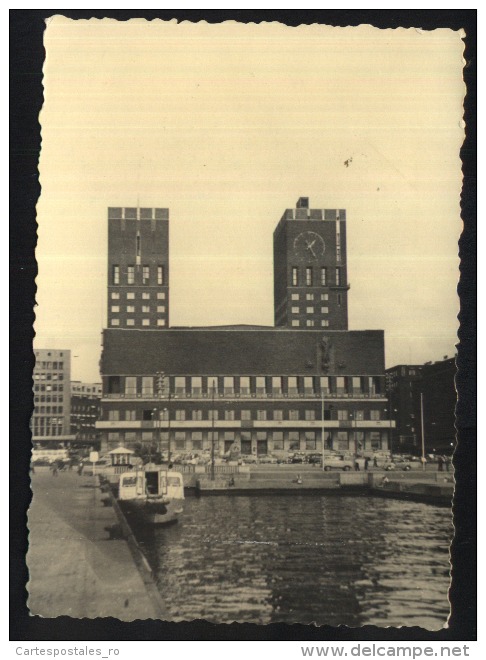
299 386
138 268
51 419
310 268
424 391
85 410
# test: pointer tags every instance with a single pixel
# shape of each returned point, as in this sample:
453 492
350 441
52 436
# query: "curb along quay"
75 568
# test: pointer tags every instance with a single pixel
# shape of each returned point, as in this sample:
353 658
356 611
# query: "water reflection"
329 560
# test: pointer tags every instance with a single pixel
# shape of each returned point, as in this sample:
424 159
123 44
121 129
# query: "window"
115 308
325 323
310 440
130 309
324 296
145 322
359 415
310 415
323 276
180 384
130 296
375 440
310 323
113 415
116 275
145 309
229 384
130 322
161 295
196 384
295 323
374 415
324 310
325 385
147 385
277 438
308 276
309 296
295 276
130 385
278 415
244 385
115 296
293 415
197 415
130 274
114 437
130 415
180 415
276 384
161 308
196 439
180 439
147 436
295 310
338 277
356 382
340 385
212 415
246 414
261 415
342 415
160 274
309 310
294 440
292 385
342 440
294 296
164 415
115 321
145 274
260 385
339 299
146 296
308 385
160 321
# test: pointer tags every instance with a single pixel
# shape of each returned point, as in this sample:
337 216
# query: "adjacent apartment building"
257 389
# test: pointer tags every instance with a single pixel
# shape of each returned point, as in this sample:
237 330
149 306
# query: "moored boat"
151 495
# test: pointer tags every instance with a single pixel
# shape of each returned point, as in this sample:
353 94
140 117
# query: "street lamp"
322 428
212 430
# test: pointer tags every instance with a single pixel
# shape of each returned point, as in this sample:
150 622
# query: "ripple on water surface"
328 560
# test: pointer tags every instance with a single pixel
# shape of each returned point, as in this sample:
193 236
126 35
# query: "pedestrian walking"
367 463
80 468
54 470
356 465
440 462
375 461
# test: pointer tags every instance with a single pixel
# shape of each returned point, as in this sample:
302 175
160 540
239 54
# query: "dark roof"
242 351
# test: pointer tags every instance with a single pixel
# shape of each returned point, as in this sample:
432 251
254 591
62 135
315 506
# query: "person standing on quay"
440 464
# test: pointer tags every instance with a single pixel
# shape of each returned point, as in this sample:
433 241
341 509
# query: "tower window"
116 275
145 274
138 245
339 300
338 277
160 274
310 323
308 276
130 274
295 276
323 276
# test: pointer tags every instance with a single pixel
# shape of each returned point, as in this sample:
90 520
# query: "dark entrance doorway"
262 447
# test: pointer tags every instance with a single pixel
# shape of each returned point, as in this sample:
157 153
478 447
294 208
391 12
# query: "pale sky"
228 125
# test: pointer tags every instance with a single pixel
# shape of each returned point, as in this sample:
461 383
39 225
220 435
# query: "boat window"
130 481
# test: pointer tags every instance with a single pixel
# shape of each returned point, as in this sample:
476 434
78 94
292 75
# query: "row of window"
310 323
49 365
310 296
154 275
180 414
245 385
48 388
131 295
48 398
131 322
130 309
261 441
307 276
48 376
48 410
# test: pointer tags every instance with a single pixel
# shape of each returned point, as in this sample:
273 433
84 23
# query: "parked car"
268 459
314 459
249 459
296 458
338 463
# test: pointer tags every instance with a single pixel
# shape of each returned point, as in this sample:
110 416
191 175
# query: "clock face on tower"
309 246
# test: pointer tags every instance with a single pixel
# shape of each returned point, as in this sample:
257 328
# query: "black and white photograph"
246 323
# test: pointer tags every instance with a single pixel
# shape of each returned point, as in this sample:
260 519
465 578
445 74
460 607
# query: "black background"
26 97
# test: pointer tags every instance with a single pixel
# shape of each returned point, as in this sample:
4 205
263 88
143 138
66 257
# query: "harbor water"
305 559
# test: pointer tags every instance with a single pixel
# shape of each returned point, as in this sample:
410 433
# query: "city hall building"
257 389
